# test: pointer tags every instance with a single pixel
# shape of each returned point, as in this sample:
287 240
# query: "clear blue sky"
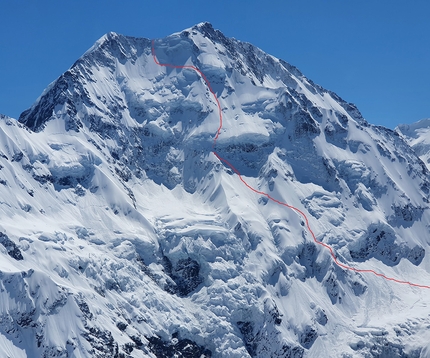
374 53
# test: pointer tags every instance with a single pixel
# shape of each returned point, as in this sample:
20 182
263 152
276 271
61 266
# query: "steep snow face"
119 219
418 137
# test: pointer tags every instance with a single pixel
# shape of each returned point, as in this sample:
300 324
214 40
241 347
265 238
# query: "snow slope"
418 137
124 235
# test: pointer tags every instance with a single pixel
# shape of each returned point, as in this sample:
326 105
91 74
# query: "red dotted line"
301 213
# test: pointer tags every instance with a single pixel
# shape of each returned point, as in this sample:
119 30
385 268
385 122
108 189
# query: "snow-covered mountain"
124 235
417 135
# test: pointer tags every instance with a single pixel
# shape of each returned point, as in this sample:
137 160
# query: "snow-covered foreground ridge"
123 234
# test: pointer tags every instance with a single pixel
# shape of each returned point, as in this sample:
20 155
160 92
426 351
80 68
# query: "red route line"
301 213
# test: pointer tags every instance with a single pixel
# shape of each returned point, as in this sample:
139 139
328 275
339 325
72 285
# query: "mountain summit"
124 235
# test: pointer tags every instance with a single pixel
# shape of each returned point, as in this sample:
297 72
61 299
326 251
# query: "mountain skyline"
375 59
124 234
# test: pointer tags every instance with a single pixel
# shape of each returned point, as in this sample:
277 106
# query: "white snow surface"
133 235
418 136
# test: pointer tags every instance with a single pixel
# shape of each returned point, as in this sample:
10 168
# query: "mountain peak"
102 40
111 35
418 136
413 129
121 214
200 45
203 25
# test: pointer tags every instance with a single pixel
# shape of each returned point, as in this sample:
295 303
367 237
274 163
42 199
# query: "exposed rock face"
11 247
